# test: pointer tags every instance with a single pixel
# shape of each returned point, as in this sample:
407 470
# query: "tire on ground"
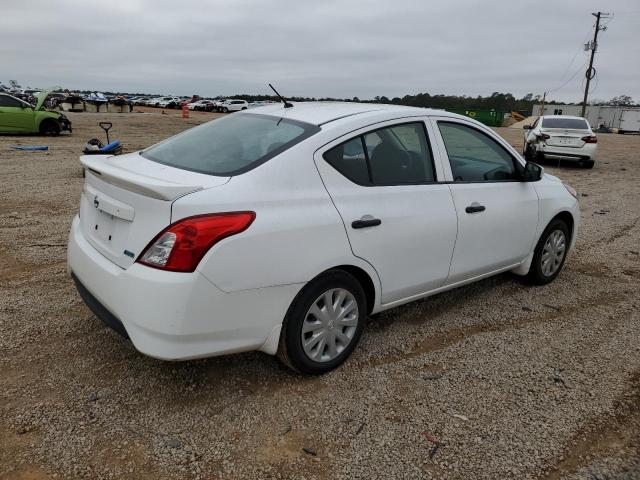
536 275
290 349
49 127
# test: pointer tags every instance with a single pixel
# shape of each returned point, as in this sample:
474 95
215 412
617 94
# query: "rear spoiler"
146 185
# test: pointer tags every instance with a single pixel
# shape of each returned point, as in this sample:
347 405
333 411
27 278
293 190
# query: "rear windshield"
230 145
574 123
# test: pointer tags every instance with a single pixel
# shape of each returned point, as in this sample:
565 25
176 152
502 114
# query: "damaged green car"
18 116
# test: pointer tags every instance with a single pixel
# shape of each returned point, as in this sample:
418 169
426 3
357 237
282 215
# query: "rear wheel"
49 127
550 253
324 323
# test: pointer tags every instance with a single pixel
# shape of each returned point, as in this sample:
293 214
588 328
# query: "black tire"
532 155
49 127
536 274
588 164
244 108
225 110
290 349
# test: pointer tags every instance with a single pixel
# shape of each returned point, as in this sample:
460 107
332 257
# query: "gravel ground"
493 380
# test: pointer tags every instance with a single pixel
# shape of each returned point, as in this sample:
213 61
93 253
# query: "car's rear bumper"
99 310
176 316
587 152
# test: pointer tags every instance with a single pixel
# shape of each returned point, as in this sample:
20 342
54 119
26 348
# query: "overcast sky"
322 48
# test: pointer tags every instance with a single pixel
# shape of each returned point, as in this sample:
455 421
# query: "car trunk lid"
126 201
562 137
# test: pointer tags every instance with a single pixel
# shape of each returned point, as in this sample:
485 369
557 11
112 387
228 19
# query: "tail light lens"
181 246
590 139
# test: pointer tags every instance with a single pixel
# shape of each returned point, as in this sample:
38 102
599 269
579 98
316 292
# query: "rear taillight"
181 246
590 139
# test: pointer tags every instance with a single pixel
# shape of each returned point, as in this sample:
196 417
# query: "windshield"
230 145
574 123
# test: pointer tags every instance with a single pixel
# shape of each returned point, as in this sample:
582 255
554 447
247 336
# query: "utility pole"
590 73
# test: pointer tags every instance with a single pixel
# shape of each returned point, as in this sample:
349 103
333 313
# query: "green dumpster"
492 118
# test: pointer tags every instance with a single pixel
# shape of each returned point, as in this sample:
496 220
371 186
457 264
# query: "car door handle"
475 207
365 223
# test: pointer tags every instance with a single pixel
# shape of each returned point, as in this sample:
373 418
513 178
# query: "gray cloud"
327 48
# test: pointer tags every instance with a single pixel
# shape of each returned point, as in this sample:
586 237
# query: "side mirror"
526 127
532 172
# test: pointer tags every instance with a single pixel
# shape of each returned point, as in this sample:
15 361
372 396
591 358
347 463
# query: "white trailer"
629 121
625 119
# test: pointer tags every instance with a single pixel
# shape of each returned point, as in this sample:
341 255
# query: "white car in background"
202 105
282 229
233 105
169 102
195 105
152 101
561 136
217 103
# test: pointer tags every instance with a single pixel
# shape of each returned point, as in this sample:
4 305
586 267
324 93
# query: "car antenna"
286 104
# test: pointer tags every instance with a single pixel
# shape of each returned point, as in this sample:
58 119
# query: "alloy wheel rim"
329 325
553 252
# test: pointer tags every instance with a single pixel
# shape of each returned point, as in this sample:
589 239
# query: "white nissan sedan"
281 229
561 136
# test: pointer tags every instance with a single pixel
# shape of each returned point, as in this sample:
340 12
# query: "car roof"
319 113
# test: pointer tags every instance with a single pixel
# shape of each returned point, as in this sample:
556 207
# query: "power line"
570 78
580 48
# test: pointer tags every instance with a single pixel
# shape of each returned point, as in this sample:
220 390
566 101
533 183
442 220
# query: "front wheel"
225 110
50 127
550 253
324 323
531 154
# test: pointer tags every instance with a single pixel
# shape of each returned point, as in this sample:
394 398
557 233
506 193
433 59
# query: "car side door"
384 183
15 116
497 210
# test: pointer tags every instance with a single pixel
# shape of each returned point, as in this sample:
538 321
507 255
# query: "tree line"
496 101
506 102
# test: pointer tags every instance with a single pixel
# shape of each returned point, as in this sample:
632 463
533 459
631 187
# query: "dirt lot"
511 381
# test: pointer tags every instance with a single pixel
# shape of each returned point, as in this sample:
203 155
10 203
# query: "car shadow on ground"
566 163
196 381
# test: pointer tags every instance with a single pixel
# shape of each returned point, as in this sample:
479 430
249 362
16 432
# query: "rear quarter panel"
296 235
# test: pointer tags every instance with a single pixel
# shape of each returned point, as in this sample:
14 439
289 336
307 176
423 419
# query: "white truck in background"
629 121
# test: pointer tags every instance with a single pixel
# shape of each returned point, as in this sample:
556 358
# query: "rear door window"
350 160
395 155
